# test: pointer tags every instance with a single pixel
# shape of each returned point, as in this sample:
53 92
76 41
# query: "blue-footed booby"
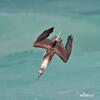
53 46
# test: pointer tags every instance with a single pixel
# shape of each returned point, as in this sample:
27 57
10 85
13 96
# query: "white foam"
86 95
65 92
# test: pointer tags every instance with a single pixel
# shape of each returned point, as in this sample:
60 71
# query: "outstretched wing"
45 34
64 52
41 41
46 43
60 51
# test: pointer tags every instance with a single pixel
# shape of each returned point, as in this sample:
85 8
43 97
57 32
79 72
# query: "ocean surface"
21 21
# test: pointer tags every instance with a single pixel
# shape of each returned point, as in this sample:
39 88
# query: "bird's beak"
39 75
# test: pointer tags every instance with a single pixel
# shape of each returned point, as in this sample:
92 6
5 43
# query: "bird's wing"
46 43
41 40
45 34
60 51
64 52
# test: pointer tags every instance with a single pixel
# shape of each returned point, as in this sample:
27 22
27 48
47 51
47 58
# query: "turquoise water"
21 22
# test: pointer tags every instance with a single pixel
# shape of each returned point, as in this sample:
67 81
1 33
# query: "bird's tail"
58 36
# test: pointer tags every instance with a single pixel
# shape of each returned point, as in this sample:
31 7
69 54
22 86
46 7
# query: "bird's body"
46 60
53 46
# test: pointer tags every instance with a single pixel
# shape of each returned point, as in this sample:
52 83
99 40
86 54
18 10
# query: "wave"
18 72
61 6
65 92
3 14
19 30
19 58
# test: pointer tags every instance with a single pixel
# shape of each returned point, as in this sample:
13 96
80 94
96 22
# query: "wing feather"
45 34
60 51
46 43
64 52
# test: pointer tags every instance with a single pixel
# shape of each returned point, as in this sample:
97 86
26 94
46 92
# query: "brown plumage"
53 46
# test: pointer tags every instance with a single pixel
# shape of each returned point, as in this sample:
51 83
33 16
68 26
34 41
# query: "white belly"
44 63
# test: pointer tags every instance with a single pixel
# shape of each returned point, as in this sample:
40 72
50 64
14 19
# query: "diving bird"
53 46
